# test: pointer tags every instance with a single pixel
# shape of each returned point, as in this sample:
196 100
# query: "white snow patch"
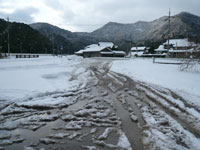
123 142
164 75
74 135
68 117
58 135
74 125
171 136
85 112
93 130
23 78
48 141
89 147
105 134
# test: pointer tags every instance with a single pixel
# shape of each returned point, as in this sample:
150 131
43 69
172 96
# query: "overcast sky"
88 15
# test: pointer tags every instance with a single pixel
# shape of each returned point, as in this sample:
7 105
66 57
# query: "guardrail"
27 56
172 61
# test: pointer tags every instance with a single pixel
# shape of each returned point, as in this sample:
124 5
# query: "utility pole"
168 34
130 50
52 44
8 36
61 50
136 48
20 47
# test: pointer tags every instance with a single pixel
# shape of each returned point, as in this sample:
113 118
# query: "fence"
27 56
172 61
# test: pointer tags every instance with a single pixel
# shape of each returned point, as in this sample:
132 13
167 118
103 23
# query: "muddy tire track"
116 85
183 117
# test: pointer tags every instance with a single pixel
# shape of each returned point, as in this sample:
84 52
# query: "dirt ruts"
111 111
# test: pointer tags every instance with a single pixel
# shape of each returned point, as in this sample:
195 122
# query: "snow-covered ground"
26 77
64 100
153 79
185 83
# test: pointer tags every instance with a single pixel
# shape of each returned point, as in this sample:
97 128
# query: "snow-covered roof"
179 42
116 46
106 44
79 52
181 51
161 49
119 52
106 52
114 52
164 54
138 48
137 53
96 47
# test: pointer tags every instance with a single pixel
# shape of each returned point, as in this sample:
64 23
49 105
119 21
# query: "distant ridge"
23 39
183 25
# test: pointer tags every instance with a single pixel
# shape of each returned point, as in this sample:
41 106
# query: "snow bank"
165 75
21 78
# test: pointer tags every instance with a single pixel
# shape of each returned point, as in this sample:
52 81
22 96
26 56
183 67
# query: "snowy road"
106 111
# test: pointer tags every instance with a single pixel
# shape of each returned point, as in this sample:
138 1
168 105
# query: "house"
138 51
179 48
119 54
179 44
102 49
161 50
182 48
181 53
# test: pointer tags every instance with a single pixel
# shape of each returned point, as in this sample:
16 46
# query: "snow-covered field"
24 78
168 110
60 101
57 102
165 75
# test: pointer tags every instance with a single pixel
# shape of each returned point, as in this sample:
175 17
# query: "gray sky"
88 15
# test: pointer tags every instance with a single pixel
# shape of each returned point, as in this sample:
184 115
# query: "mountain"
117 31
43 37
126 35
182 25
70 41
22 38
49 30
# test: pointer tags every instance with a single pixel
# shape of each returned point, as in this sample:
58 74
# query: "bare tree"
193 60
